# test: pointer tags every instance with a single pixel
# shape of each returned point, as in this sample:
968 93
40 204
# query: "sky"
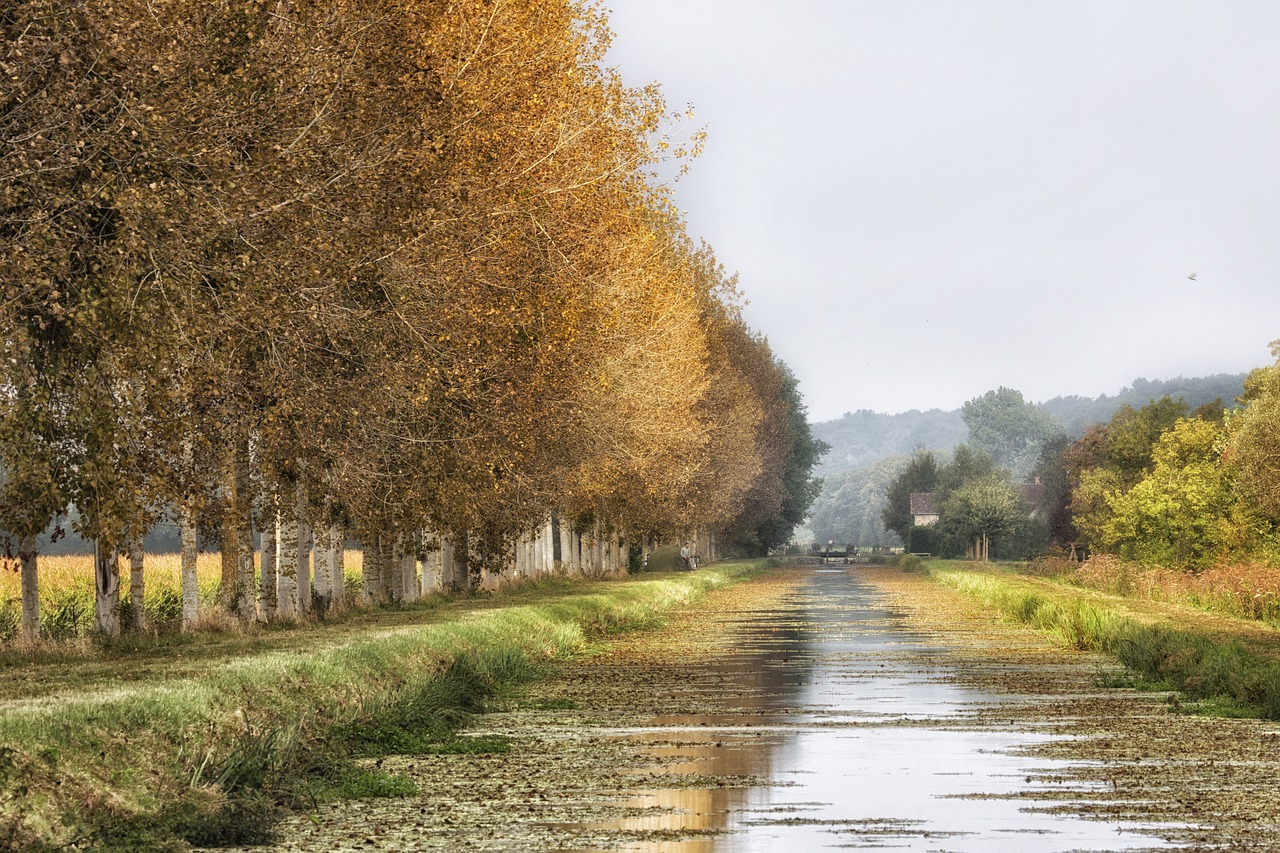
929 199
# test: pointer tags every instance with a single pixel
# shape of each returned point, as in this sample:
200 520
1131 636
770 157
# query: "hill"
869 448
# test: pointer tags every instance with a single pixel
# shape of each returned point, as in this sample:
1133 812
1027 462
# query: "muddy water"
819 709
857 736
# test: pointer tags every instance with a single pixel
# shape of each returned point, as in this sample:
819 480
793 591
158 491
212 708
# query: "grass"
200 739
1216 671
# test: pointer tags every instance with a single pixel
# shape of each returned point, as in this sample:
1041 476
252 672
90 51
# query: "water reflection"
863 742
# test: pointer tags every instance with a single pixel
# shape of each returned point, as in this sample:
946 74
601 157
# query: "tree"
785 490
920 475
982 510
1009 428
1184 513
1253 446
1054 504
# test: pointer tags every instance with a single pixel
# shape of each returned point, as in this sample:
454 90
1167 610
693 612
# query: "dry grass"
1246 590
66 591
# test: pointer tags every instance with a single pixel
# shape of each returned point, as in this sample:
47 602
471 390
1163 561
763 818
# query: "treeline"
863 438
394 270
1167 485
1162 484
869 449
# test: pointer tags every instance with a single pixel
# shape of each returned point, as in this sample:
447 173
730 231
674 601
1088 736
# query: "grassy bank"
1219 665
199 740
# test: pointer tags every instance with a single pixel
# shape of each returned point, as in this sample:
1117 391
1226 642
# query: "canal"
807 711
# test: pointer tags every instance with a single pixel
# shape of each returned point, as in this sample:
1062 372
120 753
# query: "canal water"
857 735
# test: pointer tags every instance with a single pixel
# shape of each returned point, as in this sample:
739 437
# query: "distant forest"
868 448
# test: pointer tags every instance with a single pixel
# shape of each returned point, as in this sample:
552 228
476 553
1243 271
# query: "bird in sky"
1192 276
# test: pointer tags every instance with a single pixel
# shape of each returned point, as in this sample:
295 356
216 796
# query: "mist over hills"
868 449
860 439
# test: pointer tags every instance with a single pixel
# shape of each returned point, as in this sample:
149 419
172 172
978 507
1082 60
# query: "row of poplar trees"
401 264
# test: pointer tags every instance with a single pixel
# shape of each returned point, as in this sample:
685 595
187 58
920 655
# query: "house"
923 511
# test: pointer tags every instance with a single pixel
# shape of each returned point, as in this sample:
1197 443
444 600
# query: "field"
66 593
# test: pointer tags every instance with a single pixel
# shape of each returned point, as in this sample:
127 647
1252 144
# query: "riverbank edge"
210 760
1212 673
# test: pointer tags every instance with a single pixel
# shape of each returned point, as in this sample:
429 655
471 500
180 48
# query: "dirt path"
672 741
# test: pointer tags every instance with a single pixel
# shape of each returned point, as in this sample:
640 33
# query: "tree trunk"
27 554
106 564
446 565
460 578
287 548
322 556
237 533
409 572
371 569
228 543
304 549
268 582
137 586
337 560
190 580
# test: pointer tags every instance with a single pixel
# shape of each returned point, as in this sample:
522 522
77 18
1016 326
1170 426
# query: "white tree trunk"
521 555
370 570
287 552
106 564
337 564
446 565
322 583
190 580
246 575
549 548
29 557
393 570
577 554
304 550
268 582
409 572
137 585
461 569
566 549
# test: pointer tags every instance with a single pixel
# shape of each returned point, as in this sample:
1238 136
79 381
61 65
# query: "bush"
924 539
910 563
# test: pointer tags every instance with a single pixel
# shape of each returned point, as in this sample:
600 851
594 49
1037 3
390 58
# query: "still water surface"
865 740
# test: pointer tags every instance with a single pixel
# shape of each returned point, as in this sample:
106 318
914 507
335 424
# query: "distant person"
686 557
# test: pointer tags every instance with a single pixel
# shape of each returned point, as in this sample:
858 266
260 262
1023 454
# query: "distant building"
1032 493
923 511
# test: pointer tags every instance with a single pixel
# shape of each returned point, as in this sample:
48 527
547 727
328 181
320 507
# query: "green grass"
362 783
1214 674
220 730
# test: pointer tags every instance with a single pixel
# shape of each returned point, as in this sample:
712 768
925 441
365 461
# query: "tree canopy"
407 261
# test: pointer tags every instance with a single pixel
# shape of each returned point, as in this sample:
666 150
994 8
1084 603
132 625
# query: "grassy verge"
201 741
1213 671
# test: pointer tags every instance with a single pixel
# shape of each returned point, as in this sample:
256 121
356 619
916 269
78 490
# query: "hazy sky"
927 200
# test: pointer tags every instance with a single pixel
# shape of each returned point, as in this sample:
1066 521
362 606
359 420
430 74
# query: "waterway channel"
812 714
868 741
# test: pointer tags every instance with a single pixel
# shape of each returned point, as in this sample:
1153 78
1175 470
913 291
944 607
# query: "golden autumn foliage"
407 254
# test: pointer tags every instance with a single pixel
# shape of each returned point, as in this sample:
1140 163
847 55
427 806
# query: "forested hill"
1078 413
859 439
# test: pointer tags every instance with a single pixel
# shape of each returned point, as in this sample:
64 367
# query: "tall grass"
1245 590
1200 666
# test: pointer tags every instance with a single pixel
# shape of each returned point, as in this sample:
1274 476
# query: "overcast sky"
927 200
